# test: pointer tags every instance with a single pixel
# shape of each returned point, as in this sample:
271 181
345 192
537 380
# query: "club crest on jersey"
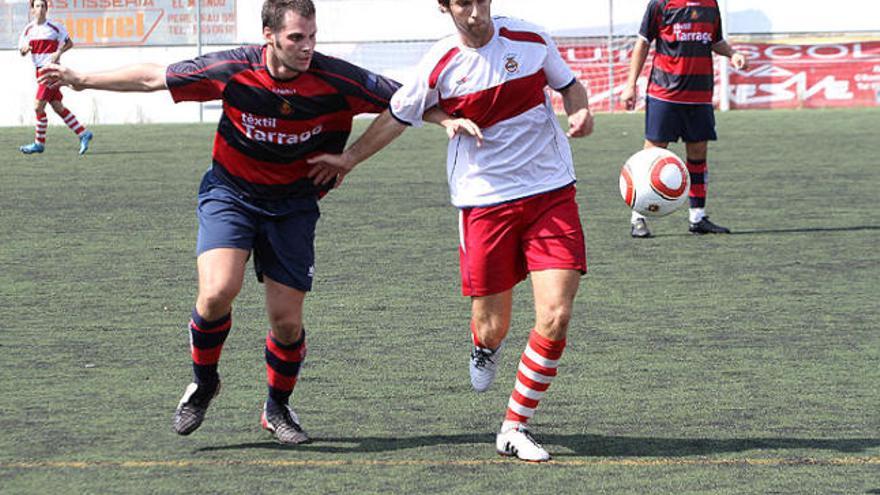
510 64
286 108
695 14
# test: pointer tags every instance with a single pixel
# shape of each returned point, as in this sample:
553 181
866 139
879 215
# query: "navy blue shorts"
279 232
666 122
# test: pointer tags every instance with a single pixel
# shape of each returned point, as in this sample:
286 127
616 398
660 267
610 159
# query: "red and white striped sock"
537 367
70 120
40 134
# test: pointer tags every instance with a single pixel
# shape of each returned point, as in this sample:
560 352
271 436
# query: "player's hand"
455 127
739 61
326 167
54 75
580 123
628 97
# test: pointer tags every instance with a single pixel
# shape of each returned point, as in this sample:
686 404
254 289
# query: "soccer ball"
654 182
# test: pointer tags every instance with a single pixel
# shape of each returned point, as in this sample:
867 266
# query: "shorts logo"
511 65
311 271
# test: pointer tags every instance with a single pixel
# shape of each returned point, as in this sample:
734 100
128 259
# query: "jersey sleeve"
417 94
559 74
718 36
63 35
650 27
204 78
365 91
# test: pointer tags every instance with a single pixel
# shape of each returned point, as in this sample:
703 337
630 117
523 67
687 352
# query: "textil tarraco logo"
682 32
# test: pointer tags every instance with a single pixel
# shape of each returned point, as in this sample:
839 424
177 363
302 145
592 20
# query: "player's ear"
267 34
444 7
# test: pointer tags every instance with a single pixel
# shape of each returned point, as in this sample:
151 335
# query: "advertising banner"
129 22
781 75
807 76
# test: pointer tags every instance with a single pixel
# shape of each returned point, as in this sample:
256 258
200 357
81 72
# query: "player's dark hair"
444 3
274 11
46 2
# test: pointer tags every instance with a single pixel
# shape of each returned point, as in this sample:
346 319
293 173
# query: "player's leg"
663 125
225 238
284 257
556 257
698 168
85 136
554 292
221 273
699 130
39 143
491 263
490 322
285 353
638 223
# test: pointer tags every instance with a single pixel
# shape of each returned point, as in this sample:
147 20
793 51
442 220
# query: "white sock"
636 216
509 425
696 214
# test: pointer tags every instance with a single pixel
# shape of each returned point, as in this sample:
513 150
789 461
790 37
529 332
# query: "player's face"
292 46
473 19
38 11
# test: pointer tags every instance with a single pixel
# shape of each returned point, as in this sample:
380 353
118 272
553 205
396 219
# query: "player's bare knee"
553 320
286 331
215 303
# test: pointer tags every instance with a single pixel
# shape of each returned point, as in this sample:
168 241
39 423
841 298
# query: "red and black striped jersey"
685 31
269 127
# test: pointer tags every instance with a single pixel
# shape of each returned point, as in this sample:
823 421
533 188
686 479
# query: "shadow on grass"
129 152
804 230
578 445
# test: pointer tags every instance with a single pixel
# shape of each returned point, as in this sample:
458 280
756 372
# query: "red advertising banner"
808 76
780 75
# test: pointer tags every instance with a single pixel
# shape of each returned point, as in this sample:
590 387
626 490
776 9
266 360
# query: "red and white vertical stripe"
40 134
72 123
537 367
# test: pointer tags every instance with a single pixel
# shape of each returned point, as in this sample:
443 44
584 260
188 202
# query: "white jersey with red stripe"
501 87
44 40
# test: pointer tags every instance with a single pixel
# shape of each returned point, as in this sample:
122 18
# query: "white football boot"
483 365
518 441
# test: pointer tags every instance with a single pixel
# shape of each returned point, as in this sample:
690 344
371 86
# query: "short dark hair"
274 11
46 2
444 3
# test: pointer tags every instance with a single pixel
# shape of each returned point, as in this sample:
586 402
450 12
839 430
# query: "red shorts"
45 93
501 244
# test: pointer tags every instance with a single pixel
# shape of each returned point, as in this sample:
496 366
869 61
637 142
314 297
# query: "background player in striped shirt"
679 99
282 103
511 175
46 41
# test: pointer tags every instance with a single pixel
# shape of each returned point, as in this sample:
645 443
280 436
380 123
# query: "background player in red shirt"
511 174
46 41
282 103
679 100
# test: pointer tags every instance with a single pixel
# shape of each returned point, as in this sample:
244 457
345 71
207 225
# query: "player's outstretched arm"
380 133
139 77
636 63
577 107
453 125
